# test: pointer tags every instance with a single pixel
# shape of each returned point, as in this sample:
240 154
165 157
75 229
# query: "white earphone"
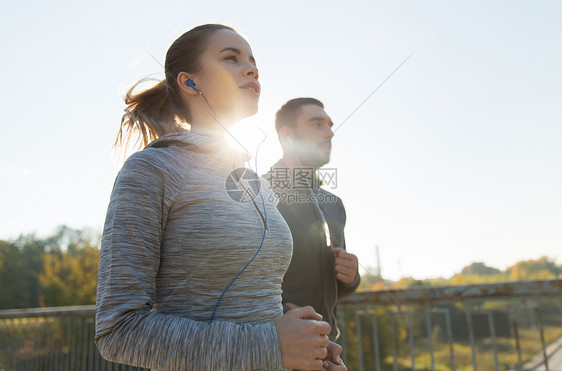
289 141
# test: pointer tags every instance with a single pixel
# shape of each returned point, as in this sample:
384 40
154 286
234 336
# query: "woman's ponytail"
149 115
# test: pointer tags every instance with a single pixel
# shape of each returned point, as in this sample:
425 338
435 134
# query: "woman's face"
228 77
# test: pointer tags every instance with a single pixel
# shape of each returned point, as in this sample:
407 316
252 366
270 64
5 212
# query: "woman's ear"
186 84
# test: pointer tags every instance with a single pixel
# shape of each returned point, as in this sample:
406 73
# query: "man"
321 270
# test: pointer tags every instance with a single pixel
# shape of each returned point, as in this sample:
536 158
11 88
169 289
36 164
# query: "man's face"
312 136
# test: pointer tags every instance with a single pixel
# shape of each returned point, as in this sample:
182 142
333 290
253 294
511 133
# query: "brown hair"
287 114
155 112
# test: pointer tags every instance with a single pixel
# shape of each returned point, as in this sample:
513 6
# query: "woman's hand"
304 339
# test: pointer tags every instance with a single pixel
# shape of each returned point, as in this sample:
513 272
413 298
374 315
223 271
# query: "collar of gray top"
202 143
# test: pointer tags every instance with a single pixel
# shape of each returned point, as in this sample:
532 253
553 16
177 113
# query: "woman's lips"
251 86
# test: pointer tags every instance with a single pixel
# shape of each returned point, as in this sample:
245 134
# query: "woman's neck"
217 131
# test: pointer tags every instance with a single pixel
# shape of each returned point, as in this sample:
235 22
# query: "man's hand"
346 265
333 361
330 366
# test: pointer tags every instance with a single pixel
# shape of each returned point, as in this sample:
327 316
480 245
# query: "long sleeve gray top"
173 240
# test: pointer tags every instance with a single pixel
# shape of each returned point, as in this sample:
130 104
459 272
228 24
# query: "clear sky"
456 158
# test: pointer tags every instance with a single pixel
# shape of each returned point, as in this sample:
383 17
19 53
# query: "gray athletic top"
173 240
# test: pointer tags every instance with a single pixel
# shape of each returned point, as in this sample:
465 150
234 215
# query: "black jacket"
311 277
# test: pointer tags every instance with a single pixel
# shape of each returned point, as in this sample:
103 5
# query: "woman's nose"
252 71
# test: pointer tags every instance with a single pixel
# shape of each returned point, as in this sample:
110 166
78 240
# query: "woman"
189 278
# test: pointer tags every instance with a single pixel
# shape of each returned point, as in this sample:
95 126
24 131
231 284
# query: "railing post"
359 340
539 319
411 338
73 347
471 336
450 338
92 350
67 357
58 344
374 328
429 336
517 343
393 339
84 344
493 335
376 340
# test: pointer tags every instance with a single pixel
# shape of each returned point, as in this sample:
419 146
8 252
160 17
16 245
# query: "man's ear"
284 133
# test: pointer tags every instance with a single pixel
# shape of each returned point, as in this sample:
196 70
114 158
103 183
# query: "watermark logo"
328 178
301 185
242 185
299 178
288 198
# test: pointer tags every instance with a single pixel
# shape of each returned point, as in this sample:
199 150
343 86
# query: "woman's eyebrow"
238 52
229 48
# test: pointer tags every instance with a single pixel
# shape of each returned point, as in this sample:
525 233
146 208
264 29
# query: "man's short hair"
287 114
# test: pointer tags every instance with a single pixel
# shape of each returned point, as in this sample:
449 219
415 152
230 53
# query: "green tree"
11 285
479 269
21 261
70 268
542 268
58 270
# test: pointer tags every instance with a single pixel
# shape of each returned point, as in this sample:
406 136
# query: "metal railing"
433 328
497 326
51 339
